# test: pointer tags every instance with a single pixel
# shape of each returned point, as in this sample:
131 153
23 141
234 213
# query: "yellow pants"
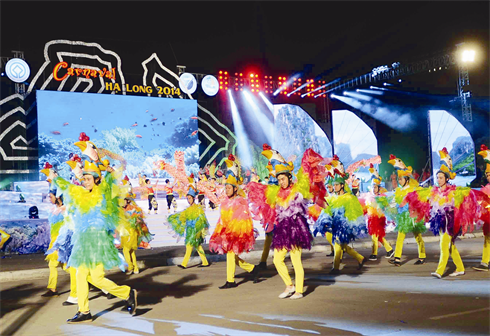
231 261
130 258
98 280
267 247
339 248
385 243
299 273
486 250
329 237
53 277
188 252
447 247
399 245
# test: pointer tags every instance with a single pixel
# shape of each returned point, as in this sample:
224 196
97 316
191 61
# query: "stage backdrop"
141 129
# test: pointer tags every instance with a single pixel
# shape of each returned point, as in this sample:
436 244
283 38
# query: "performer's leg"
337 256
386 245
445 245
230 267
133 259
457 259
353 253
187 256
82 288
267 247
101 282
374 250
485 259
243 264
53 275
204 260
299 272
399 245
329 237
421 245
127 257
279 256
73 282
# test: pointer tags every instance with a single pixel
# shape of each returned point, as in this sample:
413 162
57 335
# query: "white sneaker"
455 274
437 275
136 271
287 292
296 296
72 299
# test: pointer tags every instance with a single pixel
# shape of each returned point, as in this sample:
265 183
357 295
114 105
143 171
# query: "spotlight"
332 95
399 81
345 92
468 56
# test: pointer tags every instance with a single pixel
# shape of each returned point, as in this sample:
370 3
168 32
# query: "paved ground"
378 300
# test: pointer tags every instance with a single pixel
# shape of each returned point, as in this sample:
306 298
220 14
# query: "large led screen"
142 130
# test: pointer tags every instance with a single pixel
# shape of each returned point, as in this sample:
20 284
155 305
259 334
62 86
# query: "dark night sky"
336 38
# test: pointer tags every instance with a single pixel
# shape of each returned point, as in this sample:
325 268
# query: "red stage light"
226 73
253 85
241 74
241 89
299 79
256 75
220 72
221 87
221 83
236 89
236 73
253 90
251 75
280 83
220 77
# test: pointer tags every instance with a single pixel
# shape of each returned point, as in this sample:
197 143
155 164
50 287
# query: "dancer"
404 222
138 233
152 201
375 218
285 208
96 217
485 153
450 210
343 217
234 232
169 189
192 223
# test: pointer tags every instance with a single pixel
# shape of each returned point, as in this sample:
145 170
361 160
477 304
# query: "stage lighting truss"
255 83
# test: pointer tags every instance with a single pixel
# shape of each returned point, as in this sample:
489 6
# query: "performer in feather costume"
375 218
138 233
97 214
343 217
405 222
450 210
485 212
234 232
193 224
284 208
56 222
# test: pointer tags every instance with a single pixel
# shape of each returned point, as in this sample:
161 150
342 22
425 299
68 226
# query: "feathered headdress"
447 166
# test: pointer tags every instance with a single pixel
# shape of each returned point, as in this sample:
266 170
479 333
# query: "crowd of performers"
89 218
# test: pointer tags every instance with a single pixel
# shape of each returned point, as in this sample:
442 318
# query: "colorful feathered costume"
343 217
97 215
484 200
375 217
234 232
193 224
285 210
450 210
399 212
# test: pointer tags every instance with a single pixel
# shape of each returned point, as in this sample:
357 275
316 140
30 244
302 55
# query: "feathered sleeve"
311 177
419 203
262 203
177 222
467 209
484 214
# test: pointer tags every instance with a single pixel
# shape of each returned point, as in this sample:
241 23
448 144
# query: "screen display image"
142 130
